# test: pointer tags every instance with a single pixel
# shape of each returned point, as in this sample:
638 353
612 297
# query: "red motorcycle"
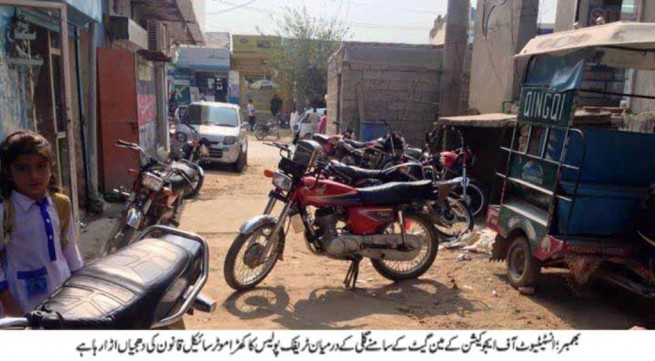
380 223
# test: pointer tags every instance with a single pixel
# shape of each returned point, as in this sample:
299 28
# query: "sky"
398 21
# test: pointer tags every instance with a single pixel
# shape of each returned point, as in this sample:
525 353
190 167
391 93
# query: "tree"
306 45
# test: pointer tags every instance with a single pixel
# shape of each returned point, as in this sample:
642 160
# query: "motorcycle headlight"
282 181
152 182
230 140
181 137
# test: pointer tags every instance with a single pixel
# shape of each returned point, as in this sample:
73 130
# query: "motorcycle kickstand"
353 272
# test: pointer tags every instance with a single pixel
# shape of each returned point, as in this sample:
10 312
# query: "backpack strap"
8 223
63 206
8 226
61 203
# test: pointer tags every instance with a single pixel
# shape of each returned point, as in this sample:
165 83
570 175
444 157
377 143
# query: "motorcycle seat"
397 193
176 181
355 173
320 138
355 144
414 152
130 289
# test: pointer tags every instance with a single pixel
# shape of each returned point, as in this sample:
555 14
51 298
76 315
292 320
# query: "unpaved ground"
306 292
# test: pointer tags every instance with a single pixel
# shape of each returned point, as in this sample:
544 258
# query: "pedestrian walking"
322 124
251 115
276 105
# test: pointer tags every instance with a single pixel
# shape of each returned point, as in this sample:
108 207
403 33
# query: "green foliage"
307 43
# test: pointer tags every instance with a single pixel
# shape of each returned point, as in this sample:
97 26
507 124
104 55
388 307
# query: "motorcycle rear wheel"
247 248
451 229
405 270
260 133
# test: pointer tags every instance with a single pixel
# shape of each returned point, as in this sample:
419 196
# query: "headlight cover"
181 137
282 181
152 182
229 140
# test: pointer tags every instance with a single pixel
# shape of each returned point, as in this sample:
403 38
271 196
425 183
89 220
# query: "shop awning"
491 120
179 15
627 44
206 59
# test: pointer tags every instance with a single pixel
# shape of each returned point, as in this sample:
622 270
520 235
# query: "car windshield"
212 115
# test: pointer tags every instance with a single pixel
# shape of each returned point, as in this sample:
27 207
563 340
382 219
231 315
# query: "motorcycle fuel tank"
327 193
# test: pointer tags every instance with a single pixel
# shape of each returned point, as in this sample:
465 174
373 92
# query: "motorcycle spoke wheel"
416 225
455 222
246 265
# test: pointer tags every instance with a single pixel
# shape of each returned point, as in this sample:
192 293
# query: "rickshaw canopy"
624 44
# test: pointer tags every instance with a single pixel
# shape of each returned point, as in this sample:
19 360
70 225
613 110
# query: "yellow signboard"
254 43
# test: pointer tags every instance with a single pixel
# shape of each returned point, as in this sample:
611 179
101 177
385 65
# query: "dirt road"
306 292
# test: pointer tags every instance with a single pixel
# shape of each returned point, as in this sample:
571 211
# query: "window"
212 115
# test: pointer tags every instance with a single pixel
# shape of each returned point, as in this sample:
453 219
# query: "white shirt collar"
24 201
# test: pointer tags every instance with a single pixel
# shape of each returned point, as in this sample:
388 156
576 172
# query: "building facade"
140 38
252 76
42 91
202 72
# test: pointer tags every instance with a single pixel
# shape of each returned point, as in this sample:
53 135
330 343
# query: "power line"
230 9
414 10
399 27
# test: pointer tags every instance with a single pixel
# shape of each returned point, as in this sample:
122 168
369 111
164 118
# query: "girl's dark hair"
24 142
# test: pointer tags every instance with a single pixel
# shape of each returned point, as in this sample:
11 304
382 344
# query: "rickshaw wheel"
522 267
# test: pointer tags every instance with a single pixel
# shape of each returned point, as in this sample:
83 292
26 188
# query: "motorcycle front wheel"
197 181
121 236
246 265
260 133
417 225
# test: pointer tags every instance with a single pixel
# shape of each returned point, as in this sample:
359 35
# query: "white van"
304 124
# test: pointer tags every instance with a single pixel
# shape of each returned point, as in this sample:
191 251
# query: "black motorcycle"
187 145
157 195
380 153
150 284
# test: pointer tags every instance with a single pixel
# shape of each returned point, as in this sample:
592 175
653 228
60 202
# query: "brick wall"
404 92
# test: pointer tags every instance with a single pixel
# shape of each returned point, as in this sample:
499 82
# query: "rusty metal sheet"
117 109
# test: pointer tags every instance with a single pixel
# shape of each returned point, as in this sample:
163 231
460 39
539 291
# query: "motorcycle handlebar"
123 143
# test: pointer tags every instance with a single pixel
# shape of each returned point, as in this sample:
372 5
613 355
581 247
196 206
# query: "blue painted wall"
12 84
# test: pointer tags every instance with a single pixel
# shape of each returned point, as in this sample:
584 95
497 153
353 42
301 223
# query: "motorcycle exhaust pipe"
204 303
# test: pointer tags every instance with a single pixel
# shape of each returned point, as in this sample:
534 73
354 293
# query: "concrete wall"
494 76
398 83
565 15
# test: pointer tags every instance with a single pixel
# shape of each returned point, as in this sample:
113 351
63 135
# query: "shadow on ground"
596 306
341 308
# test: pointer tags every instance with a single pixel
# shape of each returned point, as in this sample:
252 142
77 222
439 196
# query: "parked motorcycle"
380 153
270 127
187 145
157 195
451 216
150 284
455 163
379 223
